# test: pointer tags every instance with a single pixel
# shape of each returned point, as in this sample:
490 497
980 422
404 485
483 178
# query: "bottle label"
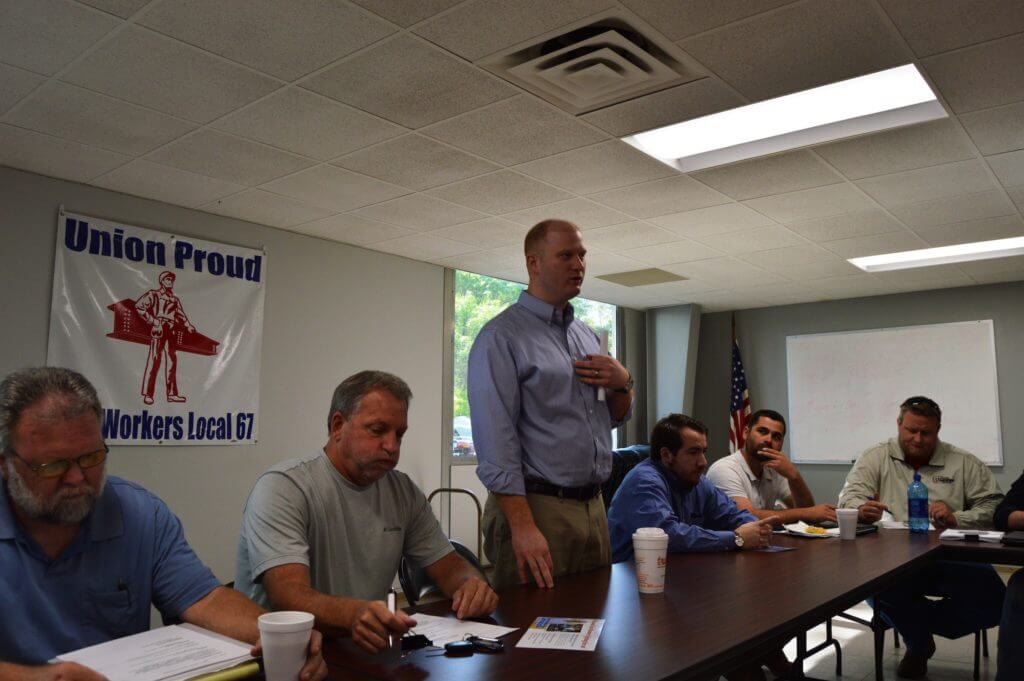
917 508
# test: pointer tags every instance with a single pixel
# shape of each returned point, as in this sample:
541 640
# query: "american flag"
739 405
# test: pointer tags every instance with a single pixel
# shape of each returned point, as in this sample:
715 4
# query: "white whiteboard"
845 388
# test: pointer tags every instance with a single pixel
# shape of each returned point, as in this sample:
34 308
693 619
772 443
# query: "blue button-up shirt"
532 417
699 518
129 553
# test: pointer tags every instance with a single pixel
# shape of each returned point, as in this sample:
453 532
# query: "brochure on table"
562 633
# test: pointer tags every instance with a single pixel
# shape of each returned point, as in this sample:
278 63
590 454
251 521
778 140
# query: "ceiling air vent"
610 59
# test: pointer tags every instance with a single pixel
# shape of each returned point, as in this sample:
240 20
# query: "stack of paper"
961 535
442 630
171 653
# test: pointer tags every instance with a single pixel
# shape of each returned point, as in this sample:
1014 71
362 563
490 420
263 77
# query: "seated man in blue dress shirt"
82 556
1009 516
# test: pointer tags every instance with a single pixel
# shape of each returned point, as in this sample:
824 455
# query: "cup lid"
285 621
649 532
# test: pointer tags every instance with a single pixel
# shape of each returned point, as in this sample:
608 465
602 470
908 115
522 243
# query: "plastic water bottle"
917 505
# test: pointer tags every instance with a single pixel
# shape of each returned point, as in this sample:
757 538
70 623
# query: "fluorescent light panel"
878 101
943 255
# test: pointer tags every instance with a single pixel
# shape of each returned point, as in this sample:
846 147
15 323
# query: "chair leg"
839 650
879 645
895 638
977 655
984 642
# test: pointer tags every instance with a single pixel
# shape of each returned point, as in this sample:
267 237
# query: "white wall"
331 310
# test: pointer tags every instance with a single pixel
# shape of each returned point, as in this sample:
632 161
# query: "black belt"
584 493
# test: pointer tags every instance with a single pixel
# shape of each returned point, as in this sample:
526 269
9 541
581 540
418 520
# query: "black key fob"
458 649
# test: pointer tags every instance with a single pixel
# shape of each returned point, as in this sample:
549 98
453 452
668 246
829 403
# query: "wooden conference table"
718 610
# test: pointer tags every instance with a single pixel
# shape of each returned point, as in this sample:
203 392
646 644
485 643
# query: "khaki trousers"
577 534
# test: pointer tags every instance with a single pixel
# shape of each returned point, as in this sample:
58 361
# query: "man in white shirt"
759 476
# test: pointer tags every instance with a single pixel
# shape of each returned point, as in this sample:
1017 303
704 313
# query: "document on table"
562 633
890 523
983 535
172 653
442 630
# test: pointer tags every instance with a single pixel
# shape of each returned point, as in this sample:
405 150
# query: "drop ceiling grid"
110 167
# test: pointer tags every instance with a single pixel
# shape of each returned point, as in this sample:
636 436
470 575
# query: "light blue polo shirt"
130 552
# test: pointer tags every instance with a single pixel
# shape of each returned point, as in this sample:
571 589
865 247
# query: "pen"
391 608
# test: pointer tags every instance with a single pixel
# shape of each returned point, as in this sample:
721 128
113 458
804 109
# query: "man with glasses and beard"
83 555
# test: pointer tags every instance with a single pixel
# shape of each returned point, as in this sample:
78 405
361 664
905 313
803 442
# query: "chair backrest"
623 461
415 582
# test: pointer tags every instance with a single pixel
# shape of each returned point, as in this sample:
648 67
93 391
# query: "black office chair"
415 582
878 628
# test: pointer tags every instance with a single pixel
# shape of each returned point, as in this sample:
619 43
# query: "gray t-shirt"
352 538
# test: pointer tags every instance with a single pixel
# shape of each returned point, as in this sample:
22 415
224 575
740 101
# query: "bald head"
538 234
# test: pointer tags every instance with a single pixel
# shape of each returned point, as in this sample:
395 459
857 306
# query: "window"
478 299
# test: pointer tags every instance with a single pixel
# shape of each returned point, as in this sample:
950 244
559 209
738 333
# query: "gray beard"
64 508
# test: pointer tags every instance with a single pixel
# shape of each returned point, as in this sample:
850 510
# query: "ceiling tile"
405 13
777 174
415 162
943 25
799 47
583 213
679 291
752 239
809 271
859 246
1017 196
819 202
285 38
660 197
994 270
617 238
352 229
15 83
1009 167
915 146
849 286
82 116
305 123
45 35
500 192
973 230
212 153
599 262
849 225
409 82
939 276
265 208
681 18
997 129
163 183
676 104
988 204
515 130
486 233
419 212
478 28
145 68
785 293
729 217
122 8
597 168
422 247
979 77
480 262
673 252
723 301
924 184
777 259
334 188
47 155
725 272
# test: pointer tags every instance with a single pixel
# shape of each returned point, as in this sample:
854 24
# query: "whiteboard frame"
988 323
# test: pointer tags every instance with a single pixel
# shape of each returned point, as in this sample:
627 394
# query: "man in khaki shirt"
961 493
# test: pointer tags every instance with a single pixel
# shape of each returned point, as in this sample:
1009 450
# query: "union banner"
168 328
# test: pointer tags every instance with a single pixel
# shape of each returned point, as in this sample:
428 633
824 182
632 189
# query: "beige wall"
331 310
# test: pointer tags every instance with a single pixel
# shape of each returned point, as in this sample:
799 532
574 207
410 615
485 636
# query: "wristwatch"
629 384
739 540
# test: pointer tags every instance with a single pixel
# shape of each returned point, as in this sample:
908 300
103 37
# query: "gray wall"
330 310
762 335
672 342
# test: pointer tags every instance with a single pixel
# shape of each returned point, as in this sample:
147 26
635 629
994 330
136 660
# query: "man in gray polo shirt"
759 476
325 534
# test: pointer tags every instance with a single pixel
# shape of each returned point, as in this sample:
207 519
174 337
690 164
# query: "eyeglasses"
55 469
920 401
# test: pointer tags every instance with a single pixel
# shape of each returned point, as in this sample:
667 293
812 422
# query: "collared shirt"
129 553
699 518
532 416
733 476
953 476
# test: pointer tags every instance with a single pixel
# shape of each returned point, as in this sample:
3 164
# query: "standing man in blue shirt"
82 556
542 431
670 491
